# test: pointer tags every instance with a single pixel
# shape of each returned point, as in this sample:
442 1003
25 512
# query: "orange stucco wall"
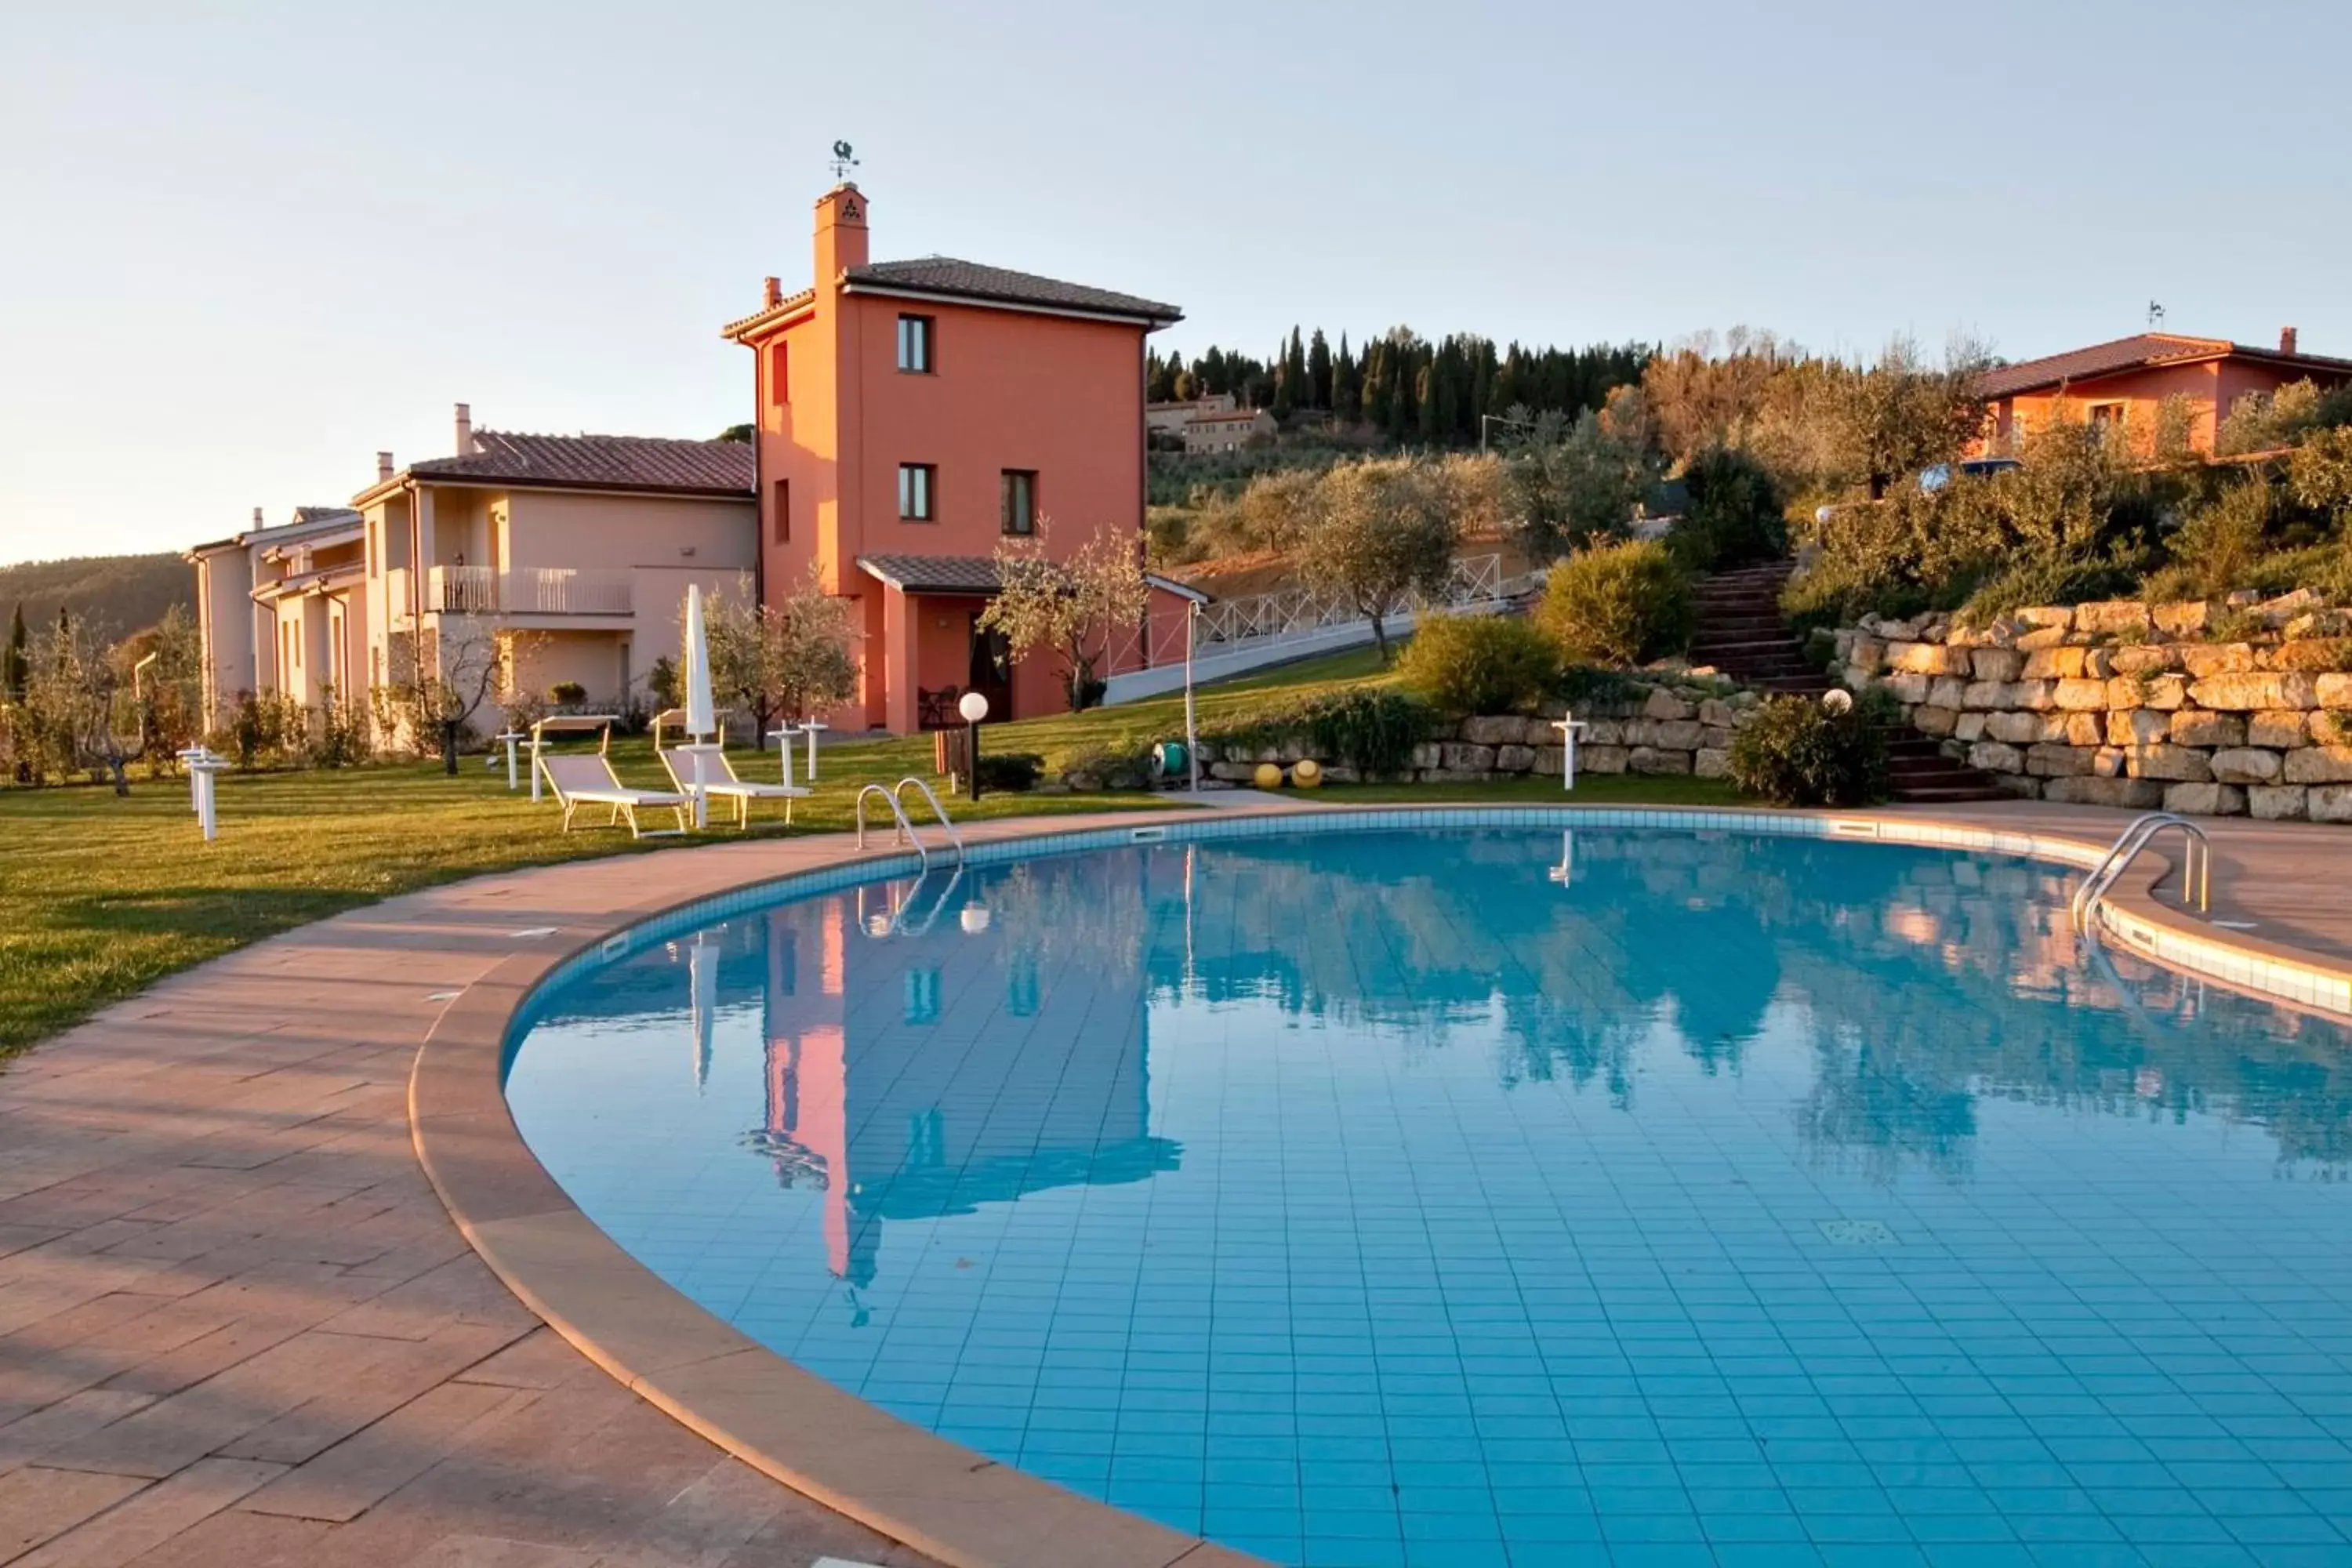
1060 397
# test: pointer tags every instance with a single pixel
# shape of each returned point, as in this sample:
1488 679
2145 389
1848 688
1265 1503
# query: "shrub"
1794 752
1733 515
1590 686
1618 604
1099 767
2215 550
1370 728
1012 771
1480 664
567 691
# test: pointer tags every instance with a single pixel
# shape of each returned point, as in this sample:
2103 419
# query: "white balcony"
530 591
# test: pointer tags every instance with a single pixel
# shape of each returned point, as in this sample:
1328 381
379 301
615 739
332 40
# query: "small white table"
205 765
512 739
1569 728
812 729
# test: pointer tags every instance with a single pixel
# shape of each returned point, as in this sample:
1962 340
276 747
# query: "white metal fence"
530 591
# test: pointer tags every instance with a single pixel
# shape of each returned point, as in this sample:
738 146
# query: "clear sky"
244 246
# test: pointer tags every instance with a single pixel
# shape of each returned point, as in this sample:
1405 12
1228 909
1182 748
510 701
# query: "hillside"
124 593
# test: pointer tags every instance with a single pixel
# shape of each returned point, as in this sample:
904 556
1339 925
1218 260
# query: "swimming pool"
1495 1196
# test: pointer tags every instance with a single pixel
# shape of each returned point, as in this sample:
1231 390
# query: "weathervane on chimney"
842 160
2154 314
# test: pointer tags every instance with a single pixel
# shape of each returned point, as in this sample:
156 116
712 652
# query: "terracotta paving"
237 1328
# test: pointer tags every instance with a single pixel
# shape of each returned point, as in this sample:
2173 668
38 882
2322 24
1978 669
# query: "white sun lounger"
582 778
720 781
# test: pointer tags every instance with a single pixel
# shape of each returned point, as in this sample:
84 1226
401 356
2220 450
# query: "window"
780 381
2104 413
779 514
915 482
1017 501
915 344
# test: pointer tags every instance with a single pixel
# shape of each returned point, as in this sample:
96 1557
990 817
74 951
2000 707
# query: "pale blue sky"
243 245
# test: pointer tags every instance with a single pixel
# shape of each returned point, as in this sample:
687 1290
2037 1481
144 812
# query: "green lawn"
100 897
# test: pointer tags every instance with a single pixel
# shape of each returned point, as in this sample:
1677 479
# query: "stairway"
1740 632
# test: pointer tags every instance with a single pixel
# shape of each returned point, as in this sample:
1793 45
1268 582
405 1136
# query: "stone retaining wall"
2215 710
1655 729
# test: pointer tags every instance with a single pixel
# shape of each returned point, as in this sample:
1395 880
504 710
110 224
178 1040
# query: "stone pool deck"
239 1326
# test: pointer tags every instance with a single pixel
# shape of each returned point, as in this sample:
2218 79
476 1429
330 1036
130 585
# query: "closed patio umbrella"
700 721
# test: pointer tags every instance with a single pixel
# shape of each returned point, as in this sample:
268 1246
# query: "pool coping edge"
927 1493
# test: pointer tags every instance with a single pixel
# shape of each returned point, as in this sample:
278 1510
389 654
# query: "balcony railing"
529 591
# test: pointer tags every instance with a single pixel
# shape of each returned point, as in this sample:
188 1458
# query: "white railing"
532 590
559 591
1295 614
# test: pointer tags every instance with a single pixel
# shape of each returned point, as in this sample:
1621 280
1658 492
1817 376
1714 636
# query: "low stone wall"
1666 727
2215 710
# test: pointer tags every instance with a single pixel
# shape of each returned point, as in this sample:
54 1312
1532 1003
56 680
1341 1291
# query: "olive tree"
1072 606
1380 531
786 660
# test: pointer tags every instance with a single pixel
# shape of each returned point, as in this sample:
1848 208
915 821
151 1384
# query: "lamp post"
974 706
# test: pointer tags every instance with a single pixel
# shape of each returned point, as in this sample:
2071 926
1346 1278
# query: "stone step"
1949 794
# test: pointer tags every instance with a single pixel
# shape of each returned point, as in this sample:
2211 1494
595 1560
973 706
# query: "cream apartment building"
583 543
281 610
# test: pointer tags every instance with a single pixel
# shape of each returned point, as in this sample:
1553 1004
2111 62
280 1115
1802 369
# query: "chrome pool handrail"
946 823
2196 867
904 832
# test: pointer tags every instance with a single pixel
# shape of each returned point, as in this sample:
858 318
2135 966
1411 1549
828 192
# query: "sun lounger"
720 781
582 778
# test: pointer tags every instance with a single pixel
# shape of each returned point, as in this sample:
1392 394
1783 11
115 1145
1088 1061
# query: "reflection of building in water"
928 1072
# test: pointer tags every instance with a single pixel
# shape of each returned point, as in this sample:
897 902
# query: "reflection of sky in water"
1399 1197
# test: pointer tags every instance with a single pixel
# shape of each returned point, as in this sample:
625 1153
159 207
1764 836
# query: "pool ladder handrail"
904 830
946 823
2196 870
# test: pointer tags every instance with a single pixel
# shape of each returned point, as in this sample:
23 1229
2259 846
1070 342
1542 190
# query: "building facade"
1226 432
910 416
566 557
2127 383
280 612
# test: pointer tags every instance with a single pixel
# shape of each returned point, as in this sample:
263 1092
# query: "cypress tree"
1318 371
16 665
1346 395
1379 389
1425 409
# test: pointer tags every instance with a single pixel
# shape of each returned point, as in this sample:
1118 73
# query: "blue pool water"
1474 1197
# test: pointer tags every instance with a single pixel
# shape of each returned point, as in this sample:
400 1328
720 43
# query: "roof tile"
945 275
614 462
2135 352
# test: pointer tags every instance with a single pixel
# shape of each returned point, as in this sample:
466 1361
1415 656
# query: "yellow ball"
1307 773
1268 776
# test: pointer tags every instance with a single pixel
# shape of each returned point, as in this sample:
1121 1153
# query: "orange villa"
909 416
2125 381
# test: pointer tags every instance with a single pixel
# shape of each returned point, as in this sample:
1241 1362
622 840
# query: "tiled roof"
303 514
933 573
601 462
946 276
2138 352
783 306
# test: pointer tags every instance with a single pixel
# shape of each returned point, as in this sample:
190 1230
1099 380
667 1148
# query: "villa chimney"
840 233
256 517
2286 340
465 430
774 293
383 467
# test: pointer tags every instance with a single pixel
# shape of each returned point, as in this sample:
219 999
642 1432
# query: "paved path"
238 1328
